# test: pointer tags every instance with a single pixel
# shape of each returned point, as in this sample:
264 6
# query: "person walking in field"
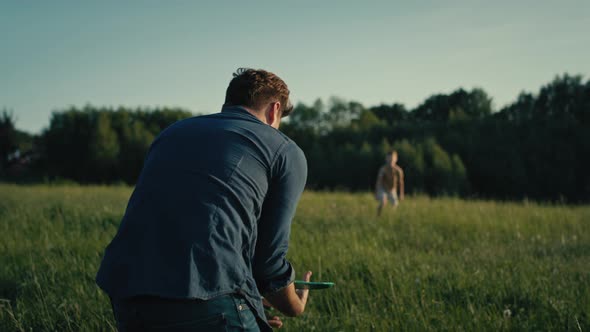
389 178
206 230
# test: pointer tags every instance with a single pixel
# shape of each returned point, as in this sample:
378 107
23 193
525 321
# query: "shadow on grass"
8 289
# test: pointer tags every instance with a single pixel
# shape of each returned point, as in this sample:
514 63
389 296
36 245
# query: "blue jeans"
147 313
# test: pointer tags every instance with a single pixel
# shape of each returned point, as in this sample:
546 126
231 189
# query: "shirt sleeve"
271 269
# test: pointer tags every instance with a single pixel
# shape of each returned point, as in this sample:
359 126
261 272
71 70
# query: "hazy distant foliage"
536 147
103 145
7 136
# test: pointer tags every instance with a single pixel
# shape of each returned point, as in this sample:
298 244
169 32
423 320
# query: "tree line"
536 147
90 144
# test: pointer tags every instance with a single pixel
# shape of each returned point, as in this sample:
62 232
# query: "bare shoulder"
399 169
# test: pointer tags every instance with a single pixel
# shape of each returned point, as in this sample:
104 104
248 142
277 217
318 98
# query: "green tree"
438 177
341 113
474 104
366 121
8 139
134 140
305 117
391 114
103 147
459 178
411 159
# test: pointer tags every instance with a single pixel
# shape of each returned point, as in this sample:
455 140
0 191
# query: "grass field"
431 265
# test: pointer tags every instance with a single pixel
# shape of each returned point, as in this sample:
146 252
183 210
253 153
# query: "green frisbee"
300 284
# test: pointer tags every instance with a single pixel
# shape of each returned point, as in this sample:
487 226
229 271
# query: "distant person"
206 230
389 179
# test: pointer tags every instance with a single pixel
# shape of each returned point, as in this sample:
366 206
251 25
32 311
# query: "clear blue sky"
182 53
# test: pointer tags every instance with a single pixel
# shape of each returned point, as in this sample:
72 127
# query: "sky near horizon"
55 54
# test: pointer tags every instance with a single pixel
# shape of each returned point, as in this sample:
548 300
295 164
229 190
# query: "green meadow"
443 264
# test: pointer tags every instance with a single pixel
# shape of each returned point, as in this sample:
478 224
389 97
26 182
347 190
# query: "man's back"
192 224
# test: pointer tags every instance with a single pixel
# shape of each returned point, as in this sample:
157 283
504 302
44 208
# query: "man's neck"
259 115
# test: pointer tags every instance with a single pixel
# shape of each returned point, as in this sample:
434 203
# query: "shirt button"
240 307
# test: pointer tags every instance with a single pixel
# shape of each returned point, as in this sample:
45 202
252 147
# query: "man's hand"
304 293
289 301
274 321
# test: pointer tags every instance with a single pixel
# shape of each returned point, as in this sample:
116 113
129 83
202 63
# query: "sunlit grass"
431 264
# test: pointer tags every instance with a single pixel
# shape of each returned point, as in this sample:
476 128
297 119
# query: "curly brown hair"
255 88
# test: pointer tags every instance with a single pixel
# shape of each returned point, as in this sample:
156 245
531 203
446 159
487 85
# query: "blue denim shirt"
210 214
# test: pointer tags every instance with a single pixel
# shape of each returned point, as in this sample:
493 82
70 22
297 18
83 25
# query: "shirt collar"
238 110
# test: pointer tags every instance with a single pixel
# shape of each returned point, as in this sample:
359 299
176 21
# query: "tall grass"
429 265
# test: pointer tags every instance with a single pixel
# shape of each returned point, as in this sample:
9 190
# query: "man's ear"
273 115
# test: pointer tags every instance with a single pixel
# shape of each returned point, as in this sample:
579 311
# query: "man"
206 230
389 178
